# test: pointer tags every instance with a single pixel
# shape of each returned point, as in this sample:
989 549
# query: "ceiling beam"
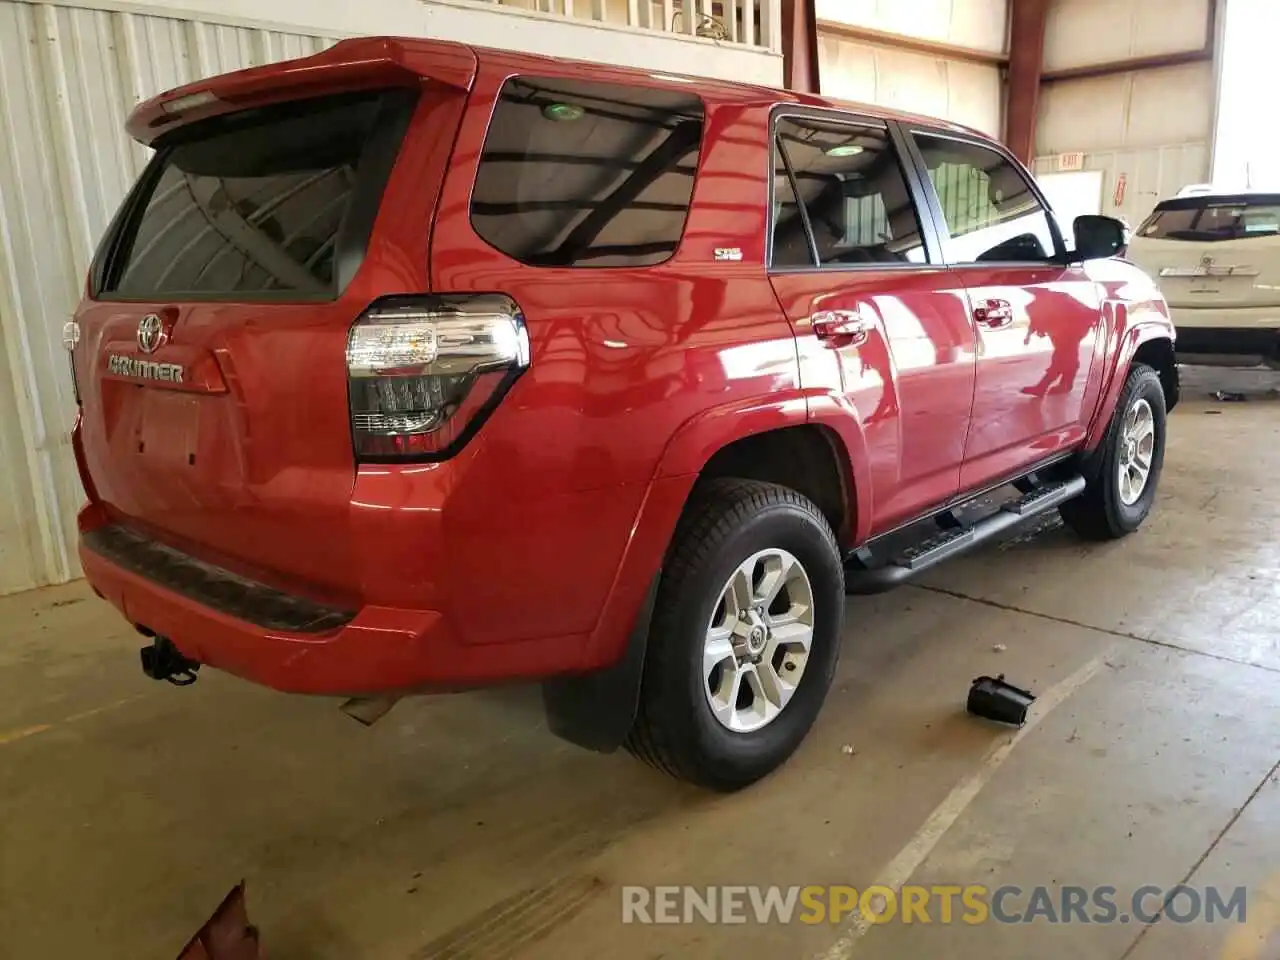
1028 20
1156 61
897 41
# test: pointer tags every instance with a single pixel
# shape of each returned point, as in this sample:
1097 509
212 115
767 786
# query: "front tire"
1122 489
744 638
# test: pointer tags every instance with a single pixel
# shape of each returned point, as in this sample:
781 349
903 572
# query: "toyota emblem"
150 333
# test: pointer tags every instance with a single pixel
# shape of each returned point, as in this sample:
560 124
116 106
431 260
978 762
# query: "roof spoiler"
349 65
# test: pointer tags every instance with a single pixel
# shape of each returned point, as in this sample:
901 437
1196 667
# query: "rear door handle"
843 328
993 314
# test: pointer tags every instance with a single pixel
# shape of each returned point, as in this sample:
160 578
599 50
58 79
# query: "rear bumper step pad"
212 586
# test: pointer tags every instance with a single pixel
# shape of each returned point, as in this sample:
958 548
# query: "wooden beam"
897 41
1028 20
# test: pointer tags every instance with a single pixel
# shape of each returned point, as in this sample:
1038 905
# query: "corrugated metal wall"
1154 127
958 90
68 76
1083 32
977 24
1151 174
967 93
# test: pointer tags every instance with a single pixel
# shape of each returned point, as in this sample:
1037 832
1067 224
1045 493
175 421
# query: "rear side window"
587 174
857 206
1210 219
276 202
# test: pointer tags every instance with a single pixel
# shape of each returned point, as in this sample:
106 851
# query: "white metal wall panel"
1152 128
1145 109
68 76
978 24
537 26
1087 32
1151 174
953 90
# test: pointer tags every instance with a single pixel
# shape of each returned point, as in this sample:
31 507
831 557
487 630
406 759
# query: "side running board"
862 579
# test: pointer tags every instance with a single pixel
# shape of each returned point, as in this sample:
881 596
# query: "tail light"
424 372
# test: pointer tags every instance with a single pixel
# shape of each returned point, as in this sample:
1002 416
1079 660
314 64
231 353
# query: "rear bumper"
1228 341
378 650
1254 331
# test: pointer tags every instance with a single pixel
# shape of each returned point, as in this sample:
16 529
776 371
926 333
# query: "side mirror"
1099 237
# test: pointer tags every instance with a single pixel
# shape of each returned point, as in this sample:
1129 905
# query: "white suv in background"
1216 257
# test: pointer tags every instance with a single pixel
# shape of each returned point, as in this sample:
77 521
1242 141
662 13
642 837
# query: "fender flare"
698 439
1144 331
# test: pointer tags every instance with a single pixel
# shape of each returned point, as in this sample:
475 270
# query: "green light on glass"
844 150
563 111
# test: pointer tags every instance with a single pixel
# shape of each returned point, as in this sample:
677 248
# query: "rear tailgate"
212 362
1213 252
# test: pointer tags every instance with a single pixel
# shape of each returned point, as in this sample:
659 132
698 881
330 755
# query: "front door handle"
842 328
993 314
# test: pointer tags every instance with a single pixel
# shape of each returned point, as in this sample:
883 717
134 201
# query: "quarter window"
859 210
992 214
587 174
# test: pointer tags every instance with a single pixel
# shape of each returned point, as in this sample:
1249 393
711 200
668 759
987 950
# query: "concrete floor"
459 828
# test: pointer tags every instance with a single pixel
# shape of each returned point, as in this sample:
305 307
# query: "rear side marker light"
424 372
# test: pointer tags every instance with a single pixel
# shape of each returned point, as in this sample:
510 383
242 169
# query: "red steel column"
800 46
1027 20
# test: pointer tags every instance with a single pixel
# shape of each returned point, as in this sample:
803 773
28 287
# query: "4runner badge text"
123 366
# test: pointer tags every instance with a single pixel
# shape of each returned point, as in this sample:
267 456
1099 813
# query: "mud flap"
596 710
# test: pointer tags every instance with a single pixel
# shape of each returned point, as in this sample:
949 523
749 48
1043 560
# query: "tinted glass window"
587 174
859 208
790 238
1209 219
256 203
991 212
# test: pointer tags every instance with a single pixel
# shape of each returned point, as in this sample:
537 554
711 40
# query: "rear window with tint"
273 202
587 174
1209 219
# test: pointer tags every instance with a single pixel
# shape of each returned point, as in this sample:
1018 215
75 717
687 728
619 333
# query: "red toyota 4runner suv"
412 367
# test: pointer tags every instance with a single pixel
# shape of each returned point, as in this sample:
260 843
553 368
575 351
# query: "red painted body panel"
1033 373
908 387
1134 312
250 460
528 553
634 374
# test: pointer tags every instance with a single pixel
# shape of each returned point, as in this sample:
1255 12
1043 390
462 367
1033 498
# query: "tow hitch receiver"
163 661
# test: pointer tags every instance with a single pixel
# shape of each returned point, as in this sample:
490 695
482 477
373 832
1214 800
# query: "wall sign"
1068 162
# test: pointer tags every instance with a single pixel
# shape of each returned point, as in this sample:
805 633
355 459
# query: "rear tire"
1122 490
731 686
